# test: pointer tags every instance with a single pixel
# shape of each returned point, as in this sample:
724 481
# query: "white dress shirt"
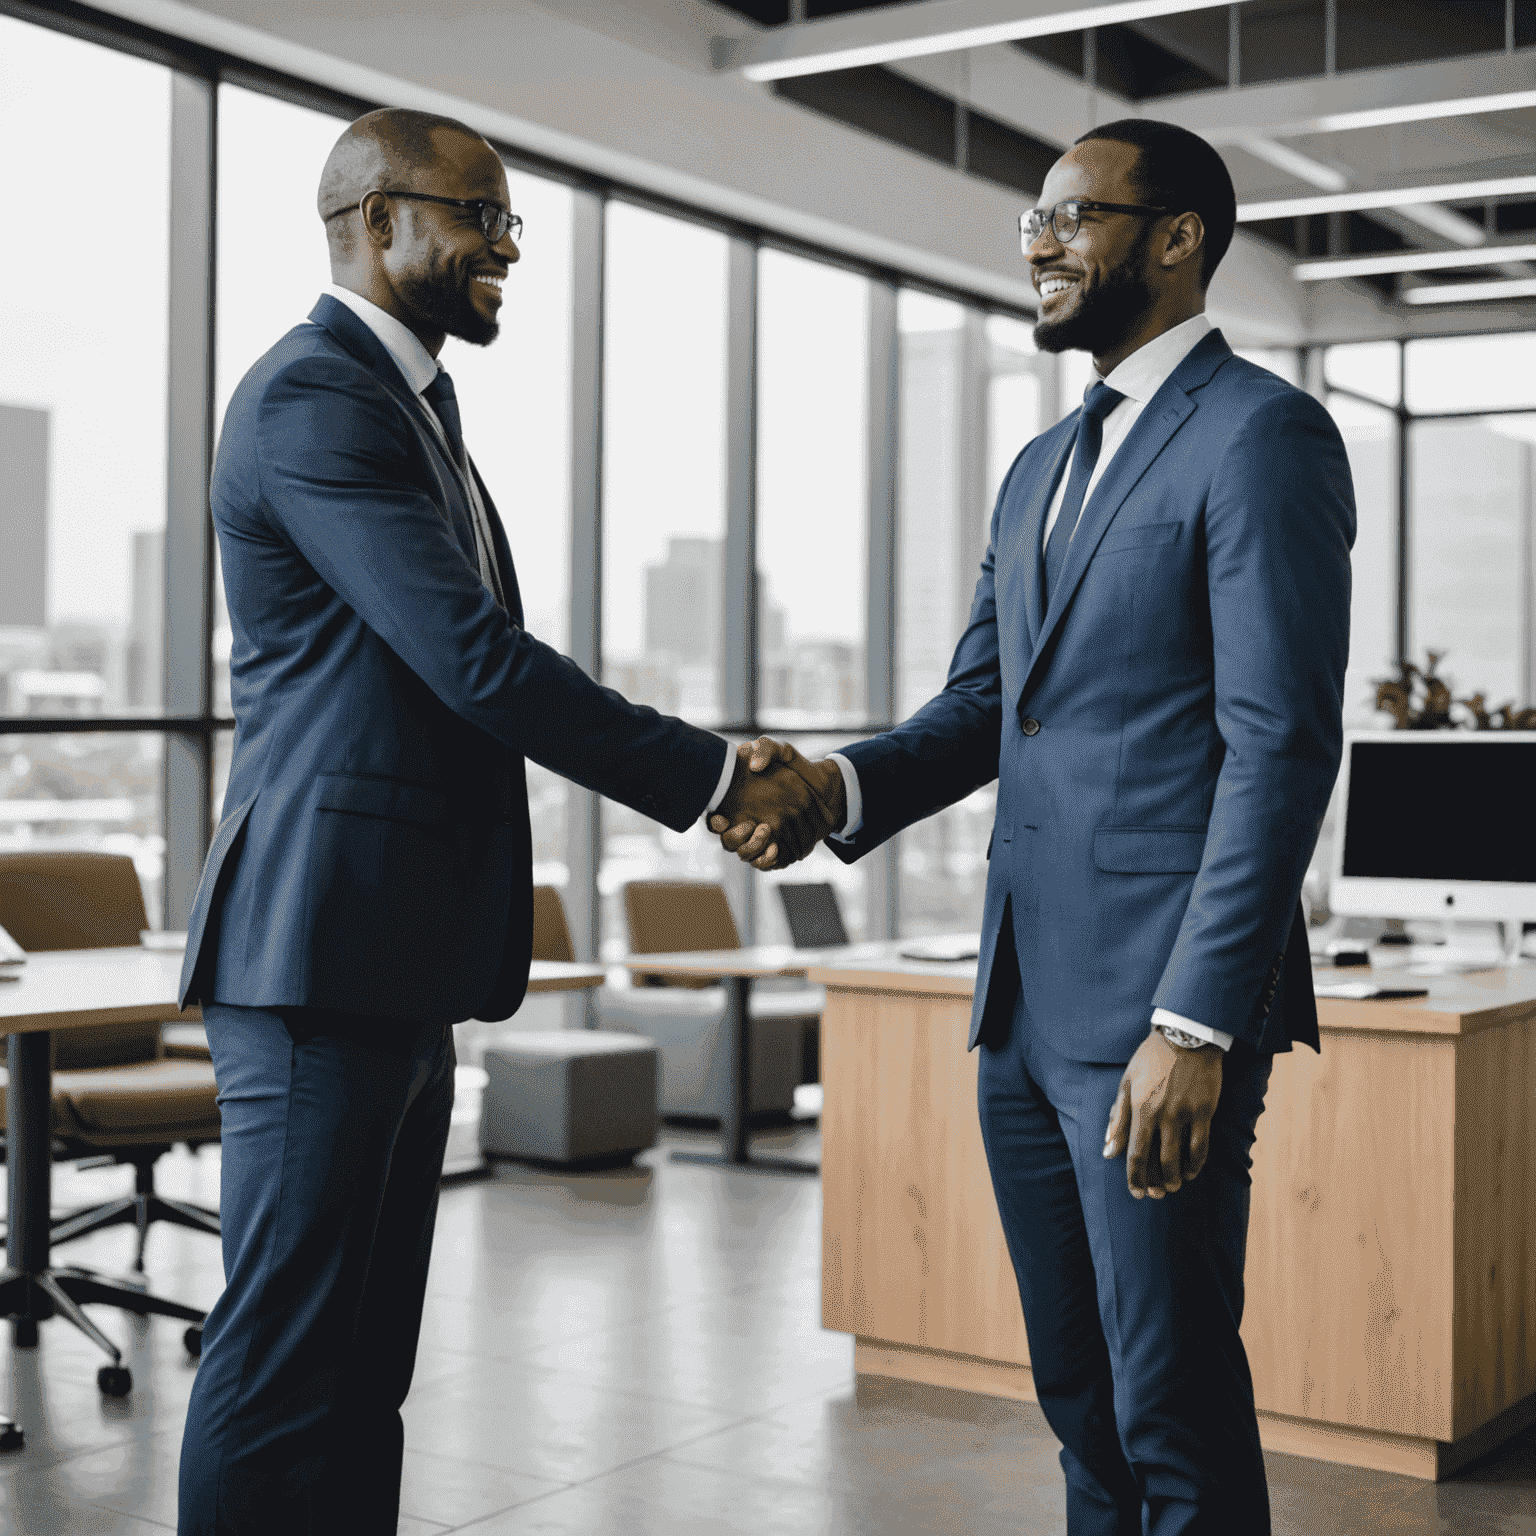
1138 378
419 369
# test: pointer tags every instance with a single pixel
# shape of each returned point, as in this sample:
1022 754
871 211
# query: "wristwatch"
1180 1037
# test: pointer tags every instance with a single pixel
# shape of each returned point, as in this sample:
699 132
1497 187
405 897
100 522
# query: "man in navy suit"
1152 672
370 882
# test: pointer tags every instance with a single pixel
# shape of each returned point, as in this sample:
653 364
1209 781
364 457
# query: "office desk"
1391 1275
737 969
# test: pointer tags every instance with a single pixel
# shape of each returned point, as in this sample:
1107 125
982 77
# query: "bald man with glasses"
370 882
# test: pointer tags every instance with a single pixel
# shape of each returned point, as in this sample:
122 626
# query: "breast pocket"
1138 536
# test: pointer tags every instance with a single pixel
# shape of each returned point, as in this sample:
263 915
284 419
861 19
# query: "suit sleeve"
333 455
950 747
1279 524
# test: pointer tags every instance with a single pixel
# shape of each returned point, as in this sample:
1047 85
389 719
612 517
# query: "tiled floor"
632 1353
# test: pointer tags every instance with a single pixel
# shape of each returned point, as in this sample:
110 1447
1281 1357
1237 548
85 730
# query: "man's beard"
1103 316
448 306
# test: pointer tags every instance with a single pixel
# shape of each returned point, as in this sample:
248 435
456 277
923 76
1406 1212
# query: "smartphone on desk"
12 955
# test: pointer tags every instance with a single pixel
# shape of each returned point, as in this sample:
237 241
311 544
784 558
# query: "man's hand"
762 843
770 811
1165 1102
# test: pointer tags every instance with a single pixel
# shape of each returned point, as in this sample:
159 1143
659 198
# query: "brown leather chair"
116 1094
551 932
685 1015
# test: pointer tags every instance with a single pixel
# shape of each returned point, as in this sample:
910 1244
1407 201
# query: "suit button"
1031 726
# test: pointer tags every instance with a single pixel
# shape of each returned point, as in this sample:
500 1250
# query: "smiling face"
1097 289
445 275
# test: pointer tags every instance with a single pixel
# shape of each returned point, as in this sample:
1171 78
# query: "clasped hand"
779 805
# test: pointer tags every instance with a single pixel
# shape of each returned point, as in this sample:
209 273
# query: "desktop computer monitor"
1438 824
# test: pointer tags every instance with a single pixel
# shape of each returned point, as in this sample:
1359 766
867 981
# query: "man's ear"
378 224
1186 238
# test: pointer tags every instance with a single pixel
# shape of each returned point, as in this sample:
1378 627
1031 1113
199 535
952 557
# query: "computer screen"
814 918
1451 807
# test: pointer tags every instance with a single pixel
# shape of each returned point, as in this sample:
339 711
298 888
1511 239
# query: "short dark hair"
1177 169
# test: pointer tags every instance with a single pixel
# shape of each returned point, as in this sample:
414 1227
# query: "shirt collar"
1148 368
404 347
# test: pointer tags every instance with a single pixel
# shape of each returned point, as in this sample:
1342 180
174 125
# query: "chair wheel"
193 1339
11 1436
115 1380
24 1332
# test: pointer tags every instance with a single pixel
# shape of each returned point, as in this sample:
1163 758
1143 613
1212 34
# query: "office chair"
115 1094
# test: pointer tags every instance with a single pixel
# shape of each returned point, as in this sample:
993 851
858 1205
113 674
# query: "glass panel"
1018 383
938 499
82 378
1370 438
664 461
1471 373
1469 552
1285 361
944 867
98 792
813 491
1369 368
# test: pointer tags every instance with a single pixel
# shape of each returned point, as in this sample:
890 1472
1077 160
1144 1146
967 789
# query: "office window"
1469 552
1471 373
1370 368
83 314
98 791
812 492
1019 382
664 461
1370 439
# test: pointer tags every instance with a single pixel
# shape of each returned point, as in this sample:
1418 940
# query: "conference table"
736 970
75 989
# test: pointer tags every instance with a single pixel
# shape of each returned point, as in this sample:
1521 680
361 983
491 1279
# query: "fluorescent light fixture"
915 31
1472 293
1360 198
1409 261
1422 111
1445 222
1294 163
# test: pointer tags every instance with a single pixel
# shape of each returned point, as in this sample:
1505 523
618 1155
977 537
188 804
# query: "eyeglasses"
494 221
1066 217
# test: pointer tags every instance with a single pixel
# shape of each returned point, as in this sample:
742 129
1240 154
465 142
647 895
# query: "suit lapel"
1166 412
333 316
501 549
1028 554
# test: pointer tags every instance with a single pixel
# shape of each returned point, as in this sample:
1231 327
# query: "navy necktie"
443 398
1098 402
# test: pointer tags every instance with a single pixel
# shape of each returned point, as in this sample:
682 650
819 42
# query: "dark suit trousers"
1132 1306
334 1131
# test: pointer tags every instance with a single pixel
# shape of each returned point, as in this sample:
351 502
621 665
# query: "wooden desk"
737 969
1391 1276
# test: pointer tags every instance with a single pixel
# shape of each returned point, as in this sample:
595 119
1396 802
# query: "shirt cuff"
1204 1031
851 791
727 773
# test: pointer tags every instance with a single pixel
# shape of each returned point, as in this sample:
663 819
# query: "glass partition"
83 379
1471 373
813 491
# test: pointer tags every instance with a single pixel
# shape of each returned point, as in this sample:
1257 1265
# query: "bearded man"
370 882
1152 672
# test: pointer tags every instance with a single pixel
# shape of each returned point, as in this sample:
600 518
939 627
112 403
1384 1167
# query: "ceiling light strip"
1409 261
1420 112
915 31
1362 198
1471 293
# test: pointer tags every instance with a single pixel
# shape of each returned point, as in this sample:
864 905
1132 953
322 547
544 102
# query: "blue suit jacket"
374 853
1166 735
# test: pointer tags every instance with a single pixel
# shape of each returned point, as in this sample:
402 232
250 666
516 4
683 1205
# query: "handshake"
779 805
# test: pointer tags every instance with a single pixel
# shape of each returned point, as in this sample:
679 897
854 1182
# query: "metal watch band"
1181 1038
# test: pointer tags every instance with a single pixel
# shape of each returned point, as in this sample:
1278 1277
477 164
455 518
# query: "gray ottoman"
570 1096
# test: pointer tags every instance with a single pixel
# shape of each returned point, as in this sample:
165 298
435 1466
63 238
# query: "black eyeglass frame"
495 221
1081 205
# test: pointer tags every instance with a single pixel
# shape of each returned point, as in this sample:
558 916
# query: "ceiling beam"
1363 98
881 36
1493 254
